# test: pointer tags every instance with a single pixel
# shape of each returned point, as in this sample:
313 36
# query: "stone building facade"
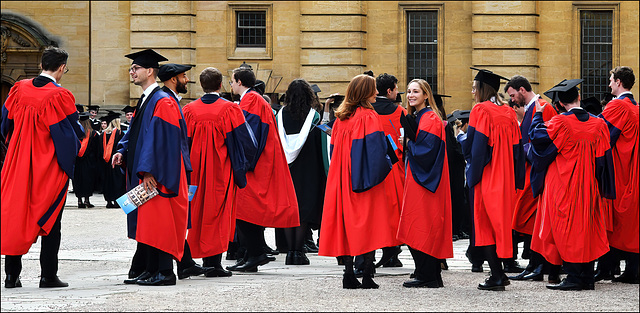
325 42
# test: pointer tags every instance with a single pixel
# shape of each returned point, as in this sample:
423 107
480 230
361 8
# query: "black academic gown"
86 168
113 179
459 206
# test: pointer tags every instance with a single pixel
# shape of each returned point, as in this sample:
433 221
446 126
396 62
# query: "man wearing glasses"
40 124
155 153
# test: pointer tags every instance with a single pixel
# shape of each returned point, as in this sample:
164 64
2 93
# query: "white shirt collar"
212 93
624 93
533 100
49 76
150 89
244 93
578 107
175 94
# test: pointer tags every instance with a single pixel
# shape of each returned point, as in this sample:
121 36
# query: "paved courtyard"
95 255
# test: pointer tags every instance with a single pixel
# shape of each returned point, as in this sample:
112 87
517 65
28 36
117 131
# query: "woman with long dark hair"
85 173
302 144
355 217
425 220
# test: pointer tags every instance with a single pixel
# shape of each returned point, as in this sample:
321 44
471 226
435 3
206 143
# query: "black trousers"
150 259
580 273
427 267
187 260
251 237
49 247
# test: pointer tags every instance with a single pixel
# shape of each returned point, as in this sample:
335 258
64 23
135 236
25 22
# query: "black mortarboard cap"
488 77
110 116
170 70
462 115
592 105
337 100
438 98
80 108
606 97
259 87
146 58
315 88
565 91
128 109
369 72
93 107
84 116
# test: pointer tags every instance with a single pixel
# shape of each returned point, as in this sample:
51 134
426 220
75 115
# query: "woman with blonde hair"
355 219
425 220
494 153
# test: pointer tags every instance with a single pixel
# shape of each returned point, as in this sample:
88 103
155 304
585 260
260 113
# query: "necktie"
140 101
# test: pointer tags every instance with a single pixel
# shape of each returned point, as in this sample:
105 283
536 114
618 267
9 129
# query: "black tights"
296 237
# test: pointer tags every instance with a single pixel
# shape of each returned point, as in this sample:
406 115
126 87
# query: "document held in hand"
139 196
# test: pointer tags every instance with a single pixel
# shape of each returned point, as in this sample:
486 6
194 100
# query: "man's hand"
149 182
116 160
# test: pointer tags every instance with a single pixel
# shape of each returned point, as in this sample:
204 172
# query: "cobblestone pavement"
95 255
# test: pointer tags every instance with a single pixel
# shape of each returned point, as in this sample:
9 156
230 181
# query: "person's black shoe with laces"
159 279
566 285
144 275
194 270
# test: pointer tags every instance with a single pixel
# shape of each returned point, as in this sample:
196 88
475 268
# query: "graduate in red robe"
40 124
356 219
425 221
389 115
571 170
524 215
269 199
155 153
621 116
494 152
221 147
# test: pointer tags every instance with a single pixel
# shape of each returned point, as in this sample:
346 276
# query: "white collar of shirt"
577 108
175 94
212 93
244 93
49 76
526 107
624 93
150 89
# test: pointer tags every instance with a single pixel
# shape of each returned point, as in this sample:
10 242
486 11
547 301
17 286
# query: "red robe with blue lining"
496 169
219 157
160 148
356 218
269 199
43 134
621 116
425 221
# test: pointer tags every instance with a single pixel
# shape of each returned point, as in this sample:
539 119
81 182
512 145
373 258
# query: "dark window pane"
596 52
422 47
252 29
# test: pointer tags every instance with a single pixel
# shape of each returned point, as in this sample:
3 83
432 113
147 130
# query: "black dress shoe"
300 258
144 275
589 286
270 251
349 281
535 276
565 285
393 262
52 282
603 275
253 263
194 270
520 276
359 272
310 247
417 283
477 268
289 259
626 278
554 279
12 281
388 254
218 272
492 284
81 205
234 267
512 266
158 279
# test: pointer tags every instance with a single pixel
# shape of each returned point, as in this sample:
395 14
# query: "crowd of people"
365 171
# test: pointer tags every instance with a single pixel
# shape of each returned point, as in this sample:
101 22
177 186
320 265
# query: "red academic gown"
395 181
269 199
355 217
524 216
42 130
496 169
160 148
219 157
425 221
571 169
621 116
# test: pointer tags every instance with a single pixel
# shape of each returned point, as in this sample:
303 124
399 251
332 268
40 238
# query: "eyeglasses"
66 69
134 68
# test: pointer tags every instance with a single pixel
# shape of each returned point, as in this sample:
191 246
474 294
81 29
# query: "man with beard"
174 78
